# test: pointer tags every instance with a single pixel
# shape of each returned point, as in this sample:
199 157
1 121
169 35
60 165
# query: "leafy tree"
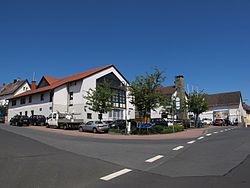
144 94
197 104
100 99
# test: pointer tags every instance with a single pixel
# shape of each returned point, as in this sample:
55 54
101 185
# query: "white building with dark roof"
12 89
225 105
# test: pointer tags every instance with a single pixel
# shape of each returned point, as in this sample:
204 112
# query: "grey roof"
11 88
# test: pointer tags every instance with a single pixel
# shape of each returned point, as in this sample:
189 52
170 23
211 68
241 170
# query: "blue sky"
206 41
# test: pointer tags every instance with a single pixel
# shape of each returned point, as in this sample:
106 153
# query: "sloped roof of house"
11 88
169 90
247 108
224 99
56 82
51 80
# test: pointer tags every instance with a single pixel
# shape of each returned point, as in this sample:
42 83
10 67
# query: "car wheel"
95 130
80 129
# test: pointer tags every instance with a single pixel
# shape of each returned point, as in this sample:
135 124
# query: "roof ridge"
64 80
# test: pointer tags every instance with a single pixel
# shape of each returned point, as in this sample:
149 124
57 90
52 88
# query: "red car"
219 122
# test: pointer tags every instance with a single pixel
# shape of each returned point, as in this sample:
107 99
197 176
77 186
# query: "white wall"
79 107
25 87
60 99
39 107
90 82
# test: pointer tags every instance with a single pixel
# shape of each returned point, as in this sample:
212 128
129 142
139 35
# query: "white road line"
200 138
221 131
154 159
208 134
215 132
191 142
116 174
178 148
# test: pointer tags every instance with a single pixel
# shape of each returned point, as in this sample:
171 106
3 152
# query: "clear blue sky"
206 41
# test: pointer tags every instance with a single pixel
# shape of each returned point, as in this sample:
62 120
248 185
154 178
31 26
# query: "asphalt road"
31 158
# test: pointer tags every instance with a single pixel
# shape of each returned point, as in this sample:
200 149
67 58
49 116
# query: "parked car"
219 122
2 119
159 121
19 120
206 121
95 127
108 122
119 124
37 120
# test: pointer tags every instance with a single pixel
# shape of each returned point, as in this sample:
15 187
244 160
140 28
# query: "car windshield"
98 122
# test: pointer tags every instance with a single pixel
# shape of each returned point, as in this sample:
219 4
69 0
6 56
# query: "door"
53 119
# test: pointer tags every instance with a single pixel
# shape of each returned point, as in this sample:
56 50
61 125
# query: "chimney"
33 85
181 93
15 81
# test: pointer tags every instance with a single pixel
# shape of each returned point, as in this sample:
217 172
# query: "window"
71 95
23 100
26 113
42 97
14 103
119 98
89 116
41 109
110 114
32 112
21 113
50 108
72 83
51 96
99 116
30 99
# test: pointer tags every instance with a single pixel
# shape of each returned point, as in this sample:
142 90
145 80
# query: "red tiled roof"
51 80
59 82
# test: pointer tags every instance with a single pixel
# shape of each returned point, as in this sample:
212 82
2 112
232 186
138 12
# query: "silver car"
95 127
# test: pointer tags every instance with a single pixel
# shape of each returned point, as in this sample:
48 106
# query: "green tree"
144 94
197 104
100 99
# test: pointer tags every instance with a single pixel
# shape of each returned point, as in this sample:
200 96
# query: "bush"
158 129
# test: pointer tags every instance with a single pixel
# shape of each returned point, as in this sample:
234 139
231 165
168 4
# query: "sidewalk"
189 133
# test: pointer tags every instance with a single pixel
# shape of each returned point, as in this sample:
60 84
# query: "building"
173 92
247 114
225 105
66 95
12 89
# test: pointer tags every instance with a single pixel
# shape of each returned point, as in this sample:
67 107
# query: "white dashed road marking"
221 131
178 148
154 159
116 174
191 142
208 134
215 132
200 138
